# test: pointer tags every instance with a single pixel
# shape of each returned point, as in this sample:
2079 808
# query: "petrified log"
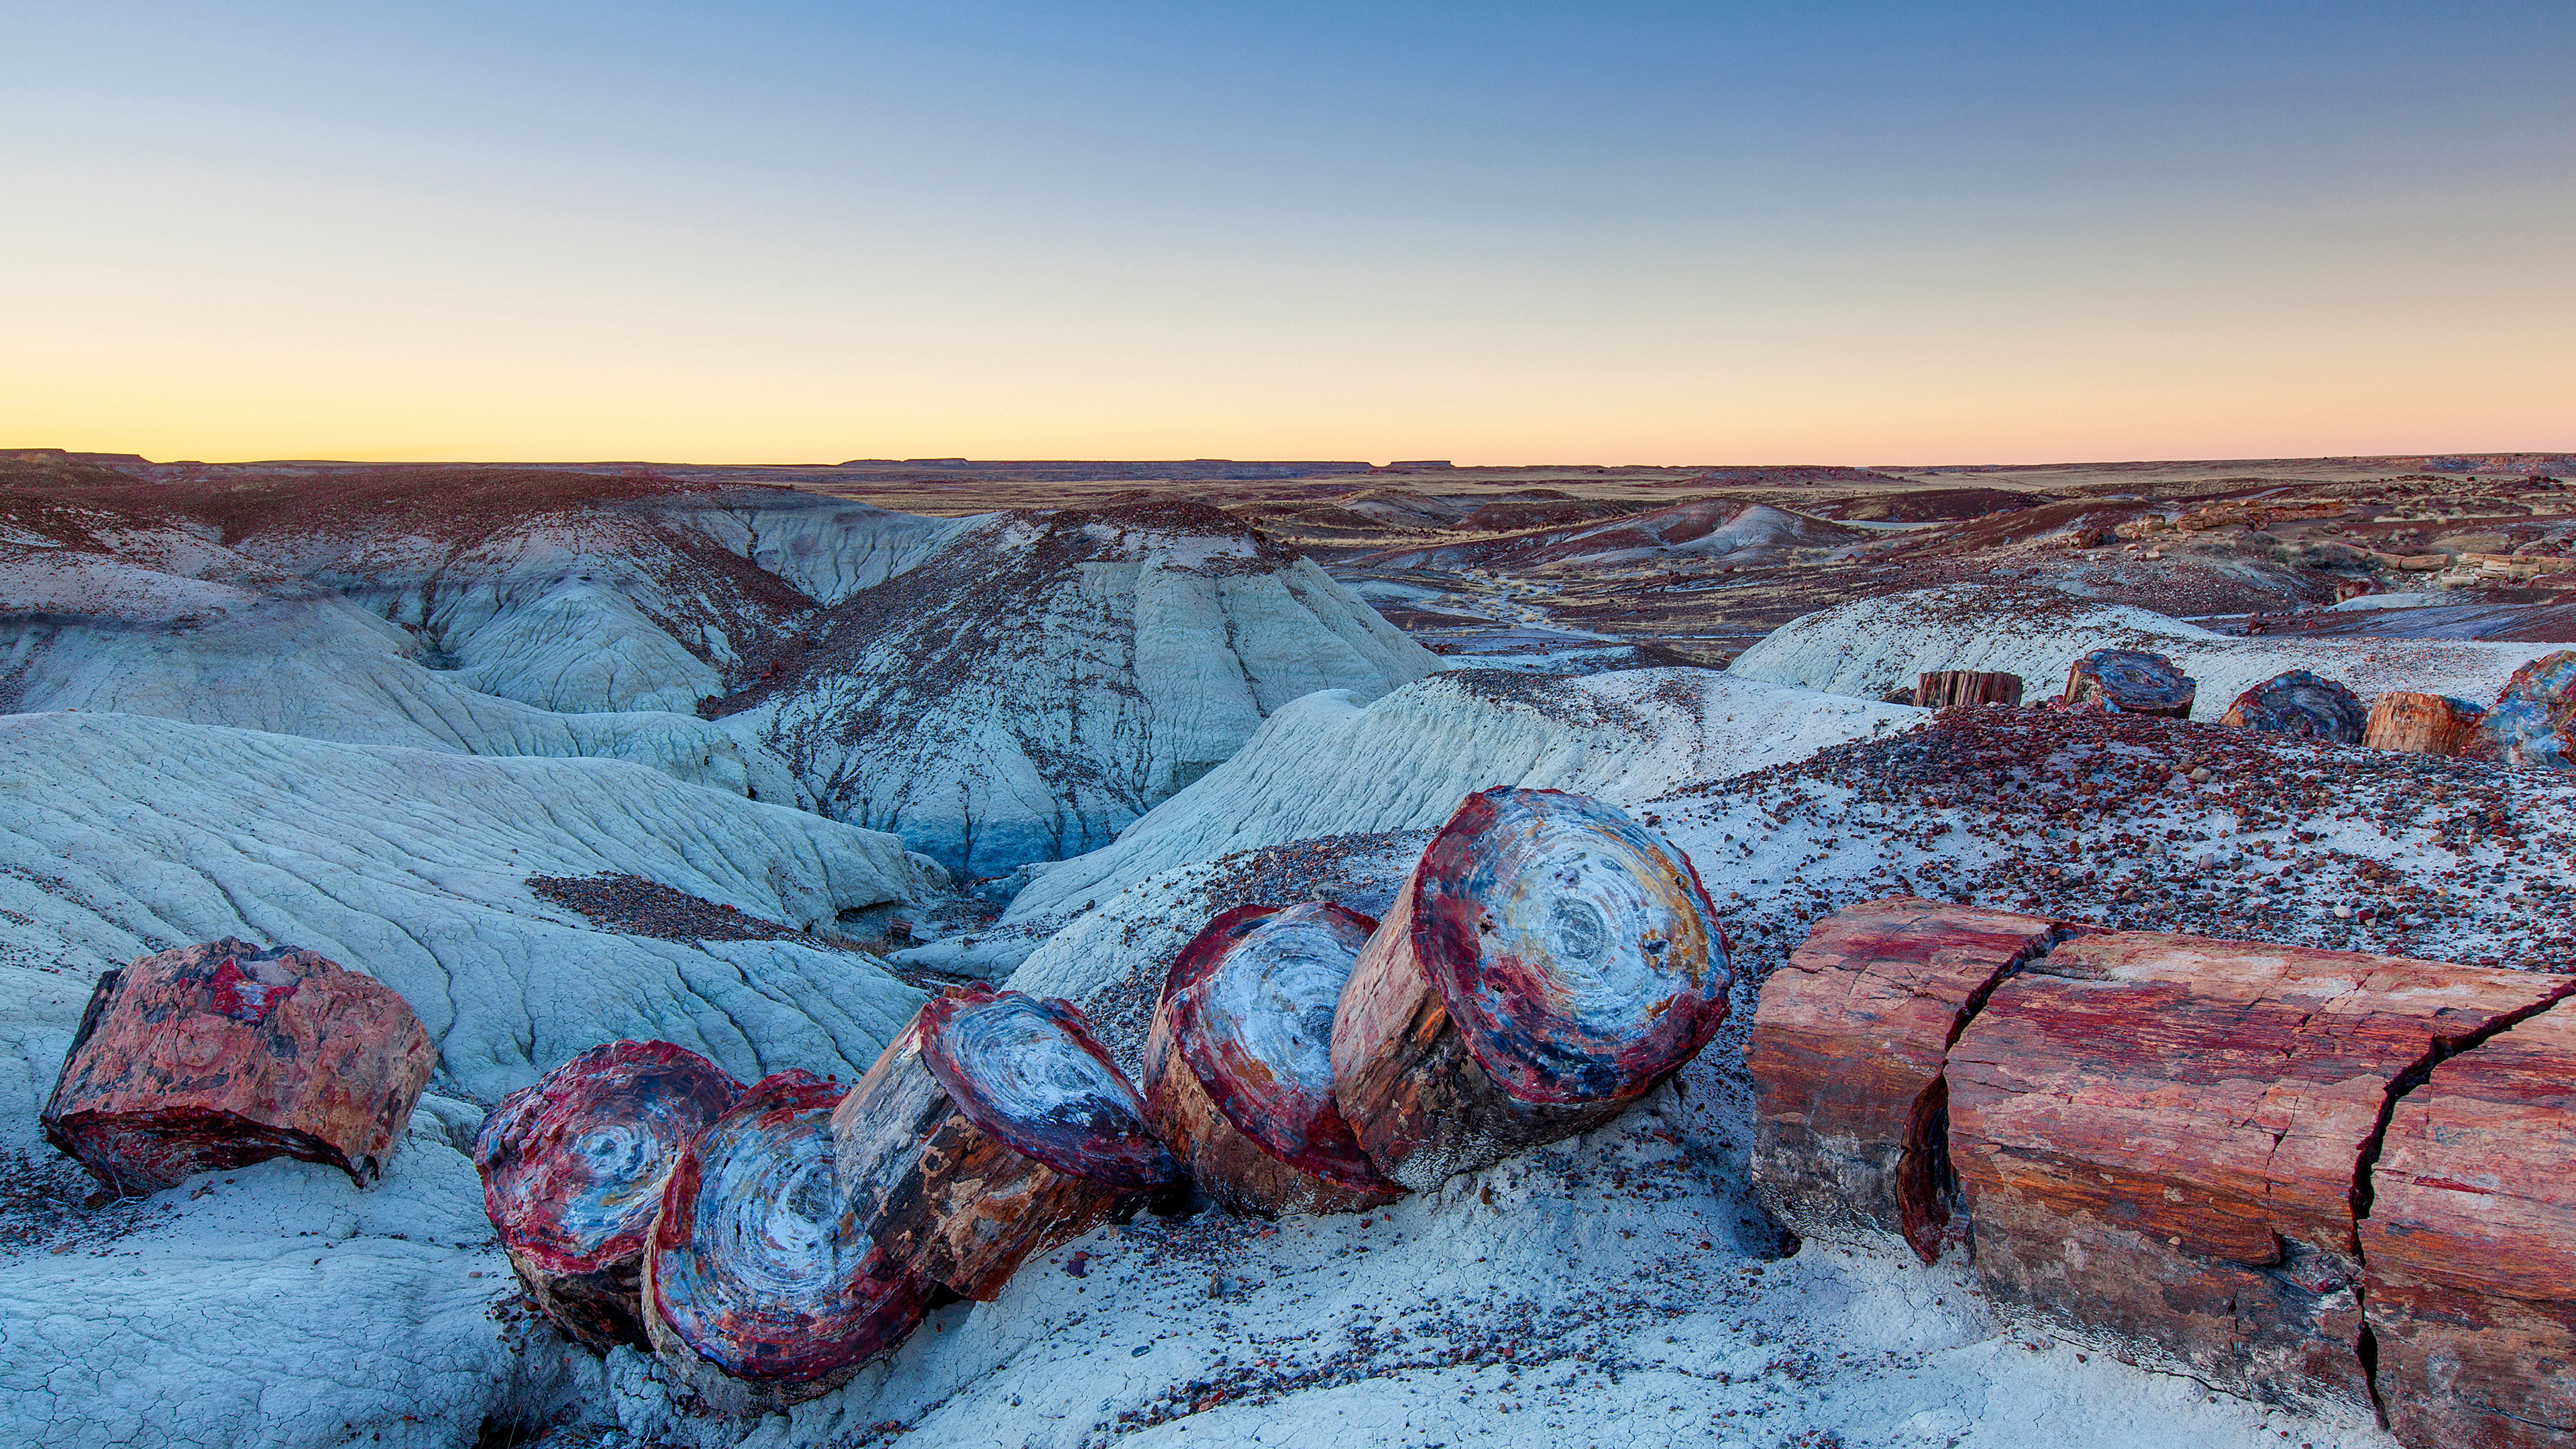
760 1288
991 1128
1941 688
1851 1109
2470 1240
221 1055
2297 702
2131 681
2419 724
1547 962
2158 1138
1239 1066
2534 719
572 1176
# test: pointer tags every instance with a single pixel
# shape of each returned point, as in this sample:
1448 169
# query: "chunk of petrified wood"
2534 718
1851 1109
760 1288
2158 1139
1239 1066
221 1055
572 1175
2419 724
1941 688
992 1127
2301 703
2131 681
2470 1244
1547 962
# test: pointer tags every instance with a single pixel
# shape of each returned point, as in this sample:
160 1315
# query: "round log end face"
2132 681
573 1169
2297 702
1577 954
1249 1007
755 1267
1026 1070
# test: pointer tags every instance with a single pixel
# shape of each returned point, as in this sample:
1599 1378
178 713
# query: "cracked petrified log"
2159 1137
991 1128
1941 688
2301 703
2419 724
2131 681
760 1289
572 1172
1846 1051
221 1055
2469 1240
1546 964
2533 721
1239 1066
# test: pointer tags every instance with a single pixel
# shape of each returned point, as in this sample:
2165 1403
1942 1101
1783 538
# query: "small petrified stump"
1546 964
221 1055
1941 688
2420 724
1239 1067
1848 1041
992 1127
2470 1241
2297 702
572 1176
2533 721
2131 681
760 1289
2159 1137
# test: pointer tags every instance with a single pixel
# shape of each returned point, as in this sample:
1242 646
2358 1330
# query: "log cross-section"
2131 681
1239 1065
2301 703
1547 962
991 1128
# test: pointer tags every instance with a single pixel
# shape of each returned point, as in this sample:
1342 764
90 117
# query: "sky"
1491 232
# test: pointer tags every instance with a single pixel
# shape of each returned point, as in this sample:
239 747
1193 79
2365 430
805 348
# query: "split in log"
2159 1139
2534 719
1846 1052
222 1055
2131 681
573 1169
1547 962
2297 702
2469 1242
760 1291
992 1127
1239 1067
2420 724
1942 688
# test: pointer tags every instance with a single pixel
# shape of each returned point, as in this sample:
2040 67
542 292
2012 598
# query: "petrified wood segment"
2534 718
760 1290
2158 1139
1239 1066
2298 702
2470 1246
2132 681
2419 724
221 1055
1545 964
1941 688
572 1176
1851 1111
992 1127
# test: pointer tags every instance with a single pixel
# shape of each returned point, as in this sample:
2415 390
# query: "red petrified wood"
992 1128
1846 1052
1941 688
2132 681
1239 1068
2419 724
760 1290
1546 964
2470 1246
572 1176
221 1055
2159 1137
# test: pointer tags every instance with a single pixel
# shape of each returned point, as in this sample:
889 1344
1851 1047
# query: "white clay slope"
1871 647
